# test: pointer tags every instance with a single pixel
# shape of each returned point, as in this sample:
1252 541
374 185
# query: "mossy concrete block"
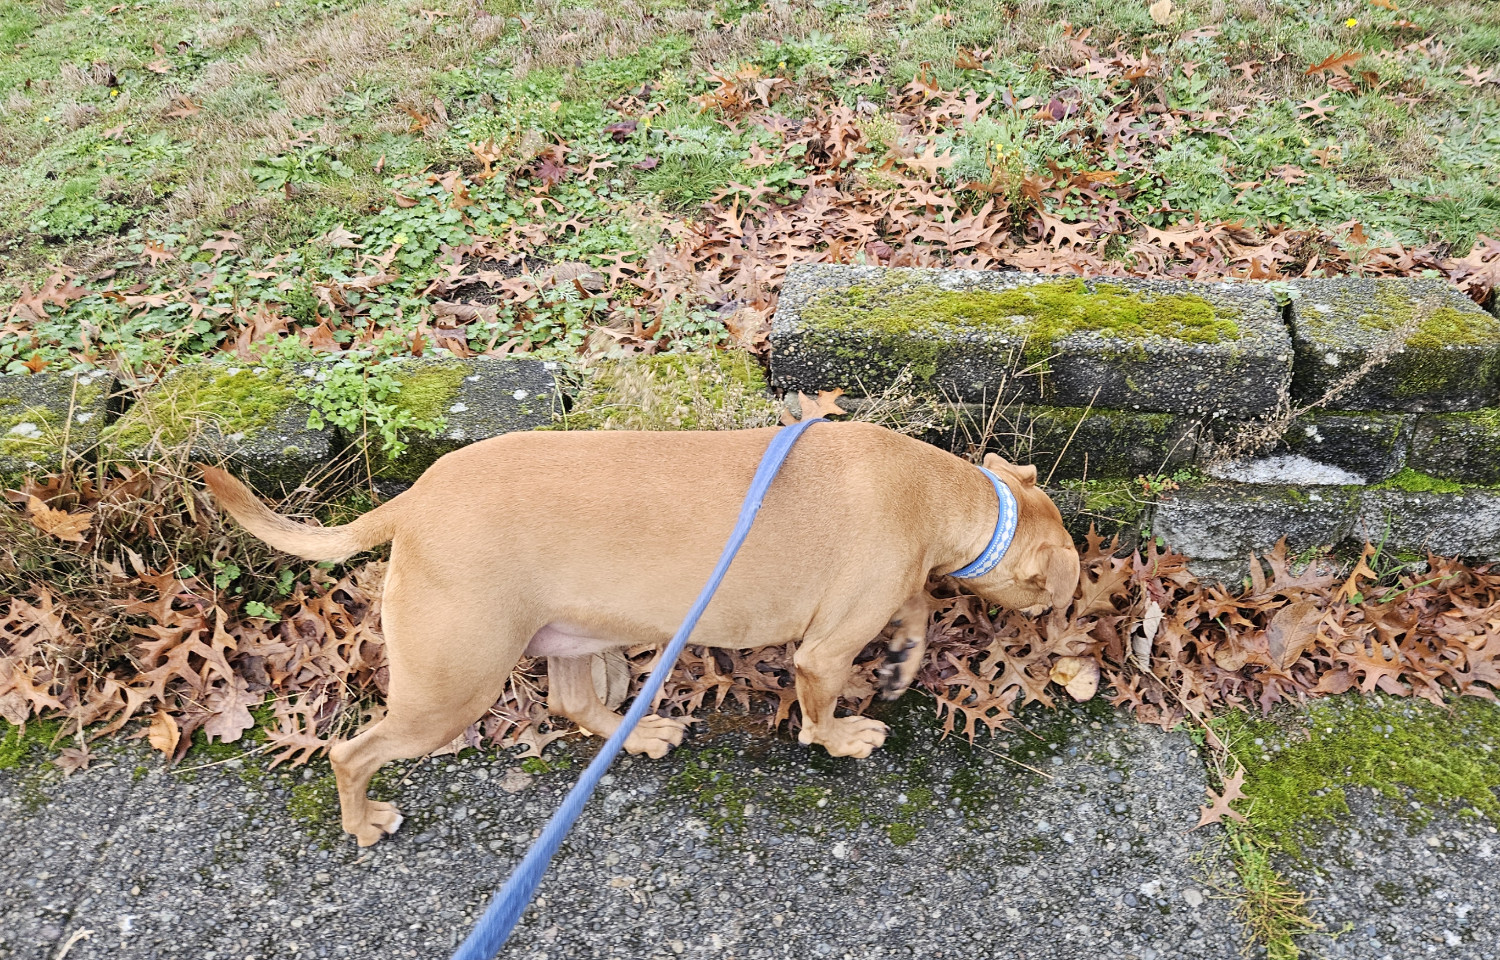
1367 446
976 336
41 414
1463 524
1459 446
1077 443
1112 509
245 416
474 399
1449 359
1224 522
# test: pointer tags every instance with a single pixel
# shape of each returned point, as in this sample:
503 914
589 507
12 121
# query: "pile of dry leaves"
112 627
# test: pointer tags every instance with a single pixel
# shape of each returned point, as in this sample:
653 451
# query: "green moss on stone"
901 834
243 401
1487 420
47 429
1442 326
1117 499
19 745
722 390
707 782
1299 771
429 390
16 439
315 801
908 320
1413 482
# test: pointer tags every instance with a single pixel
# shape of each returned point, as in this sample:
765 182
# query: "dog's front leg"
908 646
571 694
822 669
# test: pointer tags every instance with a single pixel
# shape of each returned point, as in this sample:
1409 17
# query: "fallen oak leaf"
157 252
1161 12
164 733
967 59
72 759
1361 569
59 523
826 404
339 237
185 107
1218 808
1316 109
1336 64
1291 631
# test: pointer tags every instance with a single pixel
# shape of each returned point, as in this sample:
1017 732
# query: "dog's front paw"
847 736
654 736
380 820
903 660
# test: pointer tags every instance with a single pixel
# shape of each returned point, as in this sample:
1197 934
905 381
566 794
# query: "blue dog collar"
1005 532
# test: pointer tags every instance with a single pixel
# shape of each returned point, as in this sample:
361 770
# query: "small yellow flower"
1351 23
46 119
114 93
399 239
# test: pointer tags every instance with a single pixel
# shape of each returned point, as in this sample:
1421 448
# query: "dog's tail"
299 539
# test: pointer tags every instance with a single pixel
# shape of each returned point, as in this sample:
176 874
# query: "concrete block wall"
257 419
1127 394
1137 397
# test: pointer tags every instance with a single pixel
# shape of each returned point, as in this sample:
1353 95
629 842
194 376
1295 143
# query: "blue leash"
499 919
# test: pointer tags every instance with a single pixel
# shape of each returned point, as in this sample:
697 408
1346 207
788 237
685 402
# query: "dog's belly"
560 640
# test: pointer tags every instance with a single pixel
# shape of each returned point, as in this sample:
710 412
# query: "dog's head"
1041 570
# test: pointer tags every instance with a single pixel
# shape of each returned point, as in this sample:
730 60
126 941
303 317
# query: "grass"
1274 911
235 149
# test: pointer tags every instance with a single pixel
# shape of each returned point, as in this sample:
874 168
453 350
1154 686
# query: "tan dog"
564 545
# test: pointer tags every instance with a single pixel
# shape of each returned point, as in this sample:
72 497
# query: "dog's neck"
971 514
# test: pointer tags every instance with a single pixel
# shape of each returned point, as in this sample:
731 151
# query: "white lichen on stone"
26 430
1292 468
458 408
520 394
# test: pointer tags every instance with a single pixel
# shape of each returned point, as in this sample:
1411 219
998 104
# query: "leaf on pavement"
1218 806
163 734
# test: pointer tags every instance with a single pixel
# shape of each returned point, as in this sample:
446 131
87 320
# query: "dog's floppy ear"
1026 475
1058 576
1063 570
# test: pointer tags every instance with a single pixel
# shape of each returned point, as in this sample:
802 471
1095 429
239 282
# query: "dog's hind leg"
439 684
571 694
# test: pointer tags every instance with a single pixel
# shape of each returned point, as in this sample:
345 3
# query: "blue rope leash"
499 919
